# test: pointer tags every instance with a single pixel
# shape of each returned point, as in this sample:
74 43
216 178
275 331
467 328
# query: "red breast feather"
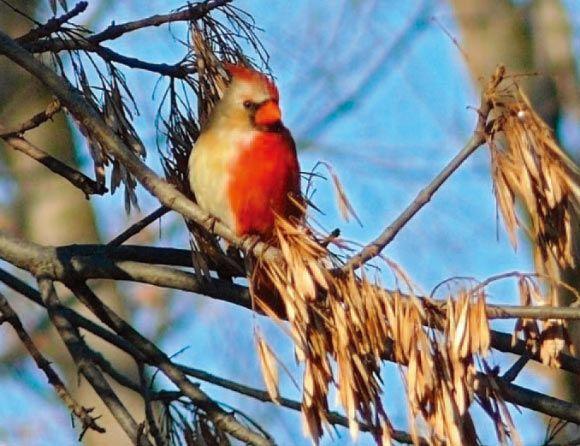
262 180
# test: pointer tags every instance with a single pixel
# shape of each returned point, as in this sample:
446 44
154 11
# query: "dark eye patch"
249 104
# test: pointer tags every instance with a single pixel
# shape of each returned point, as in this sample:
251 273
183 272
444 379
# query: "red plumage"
264 181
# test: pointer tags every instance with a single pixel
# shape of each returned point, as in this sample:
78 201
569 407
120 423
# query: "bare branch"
38 119
139 226
53 24
76 178
79 352
536 401
194 12
176 70
374 248
532 312
83 414
225 421
513 372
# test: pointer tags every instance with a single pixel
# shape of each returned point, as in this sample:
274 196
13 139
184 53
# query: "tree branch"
139 226
374 248
79 352
53 24
40 118
100 262
112 32
156 357
76 178
83 414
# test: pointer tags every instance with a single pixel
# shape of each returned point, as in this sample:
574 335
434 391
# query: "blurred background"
377 89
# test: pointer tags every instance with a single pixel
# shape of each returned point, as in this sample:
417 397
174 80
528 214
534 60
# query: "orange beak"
268 113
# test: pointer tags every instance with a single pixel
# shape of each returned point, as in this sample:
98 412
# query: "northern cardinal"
243 168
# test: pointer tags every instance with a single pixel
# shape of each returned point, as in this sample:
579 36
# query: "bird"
243 168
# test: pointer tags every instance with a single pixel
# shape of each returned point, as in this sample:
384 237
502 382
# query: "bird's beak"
268 113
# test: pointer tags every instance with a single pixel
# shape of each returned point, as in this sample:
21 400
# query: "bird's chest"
261 176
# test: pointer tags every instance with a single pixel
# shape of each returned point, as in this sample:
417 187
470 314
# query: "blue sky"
398 130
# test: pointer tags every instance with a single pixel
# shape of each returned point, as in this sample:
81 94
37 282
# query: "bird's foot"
249 242
210 223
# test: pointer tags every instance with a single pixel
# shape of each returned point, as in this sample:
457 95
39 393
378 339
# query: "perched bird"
243 168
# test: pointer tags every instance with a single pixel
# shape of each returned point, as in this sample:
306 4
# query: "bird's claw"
250 241
210 223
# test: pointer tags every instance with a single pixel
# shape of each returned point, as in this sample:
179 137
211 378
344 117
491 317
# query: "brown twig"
177 70
83 414
374 248
78 350
156 357
76 178
139 226
53 24
112 32
40 118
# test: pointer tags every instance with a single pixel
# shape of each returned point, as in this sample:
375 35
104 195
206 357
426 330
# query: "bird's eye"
248 104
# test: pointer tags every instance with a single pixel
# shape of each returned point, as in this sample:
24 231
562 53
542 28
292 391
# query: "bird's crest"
250 75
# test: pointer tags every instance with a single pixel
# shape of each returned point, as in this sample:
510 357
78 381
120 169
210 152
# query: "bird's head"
251 98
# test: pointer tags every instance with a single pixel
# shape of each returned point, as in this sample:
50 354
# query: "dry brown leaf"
269 368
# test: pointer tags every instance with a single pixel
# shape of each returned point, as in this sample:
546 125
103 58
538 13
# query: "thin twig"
112 32
76 178
139 226
40 118
225 421
83 414
177 70
53 25
78 350
374 248
145 393
512 373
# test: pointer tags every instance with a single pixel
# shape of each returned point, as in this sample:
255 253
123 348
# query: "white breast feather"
213 154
